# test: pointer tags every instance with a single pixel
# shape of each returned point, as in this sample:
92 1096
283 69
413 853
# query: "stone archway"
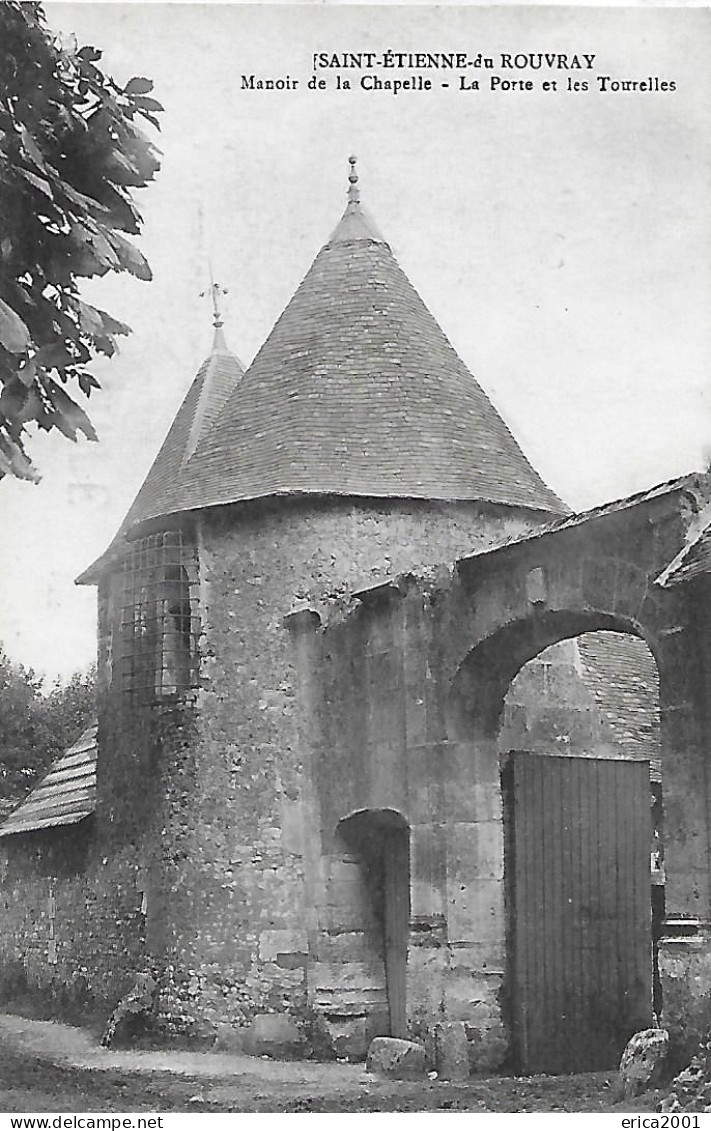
596 696
600 572
409 693
479 923
483 678
577 832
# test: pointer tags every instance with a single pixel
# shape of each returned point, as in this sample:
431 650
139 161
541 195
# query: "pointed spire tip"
353 190
214 292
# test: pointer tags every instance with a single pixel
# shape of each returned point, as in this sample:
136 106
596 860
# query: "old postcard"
397 520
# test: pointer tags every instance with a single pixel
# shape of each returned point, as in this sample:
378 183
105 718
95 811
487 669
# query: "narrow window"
159 626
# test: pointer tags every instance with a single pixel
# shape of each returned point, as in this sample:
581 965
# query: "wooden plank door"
396 896
578 892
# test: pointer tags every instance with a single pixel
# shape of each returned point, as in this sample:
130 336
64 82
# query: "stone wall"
218 846
409 689
72 921
685 948
199 861
383 744
257 885
596 695
73 898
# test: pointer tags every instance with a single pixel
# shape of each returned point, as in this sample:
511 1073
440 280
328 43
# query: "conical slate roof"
357 392
215 380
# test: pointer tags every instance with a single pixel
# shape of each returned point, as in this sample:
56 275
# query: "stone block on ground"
393 1056
642 1063
274 1034
450 1050
228 1038
690 1090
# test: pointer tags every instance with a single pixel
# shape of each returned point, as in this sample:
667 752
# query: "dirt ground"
48 1067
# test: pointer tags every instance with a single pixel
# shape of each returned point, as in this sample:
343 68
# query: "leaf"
38 182
79 198
112 325
58 420
89 54
104 248
16 461
31 148
148 104
87 382
122 170
90 319
28 372
106 344
150 118
122 212
25 295
138 85
71 414
135 145
30 408
93 241
14 335
5 465
131 258
12 399
54 355
19 404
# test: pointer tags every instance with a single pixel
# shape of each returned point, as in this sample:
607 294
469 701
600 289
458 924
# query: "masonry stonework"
311 627
225 852
246 903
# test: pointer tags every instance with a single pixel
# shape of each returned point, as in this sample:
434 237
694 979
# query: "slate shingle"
357 392
213 384
621 674
65 795
692 561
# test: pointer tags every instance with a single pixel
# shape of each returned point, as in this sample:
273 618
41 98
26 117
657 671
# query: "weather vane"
214 291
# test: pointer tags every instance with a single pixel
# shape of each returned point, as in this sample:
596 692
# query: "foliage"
36 728
71 154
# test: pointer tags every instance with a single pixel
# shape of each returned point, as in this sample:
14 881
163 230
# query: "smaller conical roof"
215 381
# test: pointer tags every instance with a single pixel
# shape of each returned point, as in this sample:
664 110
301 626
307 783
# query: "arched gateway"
424 741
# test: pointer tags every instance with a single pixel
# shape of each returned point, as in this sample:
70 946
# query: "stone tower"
356 446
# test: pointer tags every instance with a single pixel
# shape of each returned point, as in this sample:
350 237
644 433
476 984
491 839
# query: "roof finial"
353 190
214 291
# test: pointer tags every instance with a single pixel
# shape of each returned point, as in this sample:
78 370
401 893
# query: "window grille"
159 622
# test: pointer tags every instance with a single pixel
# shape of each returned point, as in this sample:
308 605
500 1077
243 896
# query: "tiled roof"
65 795
215 380
620 672
690 482
694 558
357 392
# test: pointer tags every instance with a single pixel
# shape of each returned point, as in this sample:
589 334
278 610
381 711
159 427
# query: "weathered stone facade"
224 853
73 930
309 672
225 827
219 853
405 698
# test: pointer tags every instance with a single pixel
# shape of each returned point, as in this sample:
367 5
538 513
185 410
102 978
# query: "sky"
560 237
